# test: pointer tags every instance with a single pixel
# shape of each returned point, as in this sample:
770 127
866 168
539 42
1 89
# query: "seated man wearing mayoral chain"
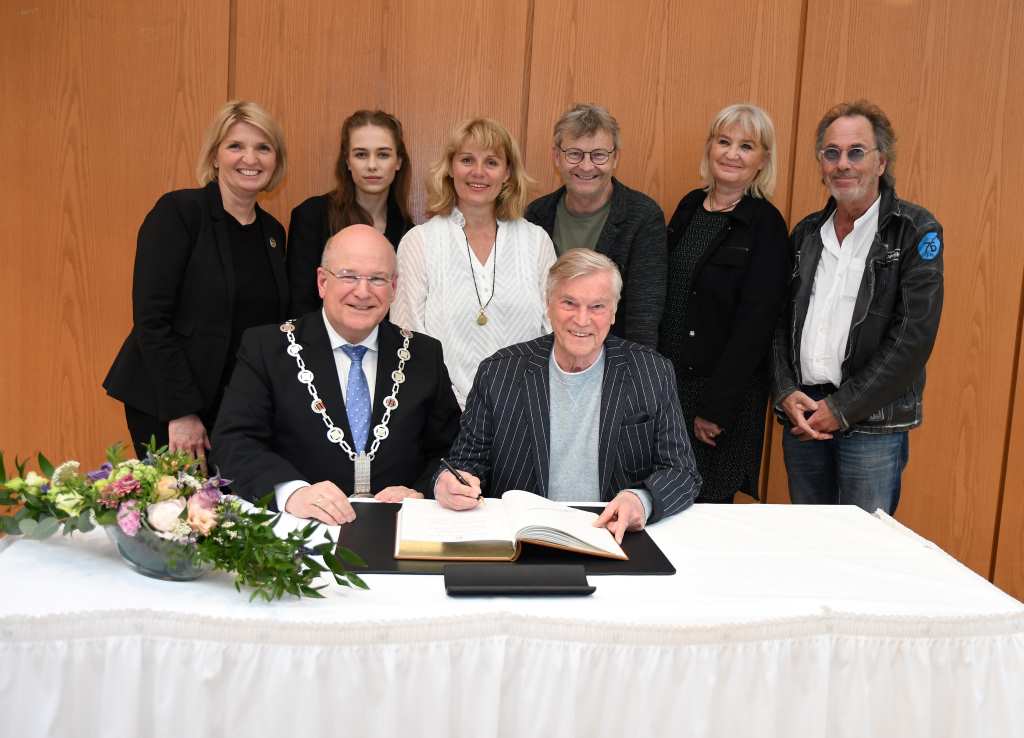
339 402
578 414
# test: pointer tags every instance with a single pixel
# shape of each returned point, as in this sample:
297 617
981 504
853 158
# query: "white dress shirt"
436 295
833 296
284 490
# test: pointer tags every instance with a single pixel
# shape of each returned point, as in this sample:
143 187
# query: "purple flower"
102 473
207 498
128 517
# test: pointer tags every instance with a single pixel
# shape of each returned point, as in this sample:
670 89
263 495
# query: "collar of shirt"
342 361
863 233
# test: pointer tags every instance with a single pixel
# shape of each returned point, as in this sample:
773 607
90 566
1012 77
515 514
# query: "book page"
536 517
427 521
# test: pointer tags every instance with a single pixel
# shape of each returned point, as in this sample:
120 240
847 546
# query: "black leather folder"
372 536
477 580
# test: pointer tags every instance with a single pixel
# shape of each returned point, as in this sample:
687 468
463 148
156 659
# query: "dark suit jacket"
634 238
183 297
739 289
308 231
267 434
642 442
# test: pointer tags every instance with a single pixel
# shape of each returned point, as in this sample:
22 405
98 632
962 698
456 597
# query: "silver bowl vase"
155 557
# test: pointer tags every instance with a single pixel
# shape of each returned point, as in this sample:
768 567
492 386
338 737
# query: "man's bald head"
362 238
357 280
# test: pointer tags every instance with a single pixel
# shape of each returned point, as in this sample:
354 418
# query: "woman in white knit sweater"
473 275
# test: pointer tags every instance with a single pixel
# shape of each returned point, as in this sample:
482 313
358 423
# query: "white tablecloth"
782 621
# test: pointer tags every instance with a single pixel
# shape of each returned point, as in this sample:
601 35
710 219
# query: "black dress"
308 231
728 275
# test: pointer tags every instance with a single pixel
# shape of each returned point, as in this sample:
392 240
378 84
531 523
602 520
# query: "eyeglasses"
597 156
854 154
350 279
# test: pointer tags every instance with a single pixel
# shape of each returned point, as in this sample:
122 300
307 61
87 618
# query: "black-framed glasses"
854 154
351 279
597 156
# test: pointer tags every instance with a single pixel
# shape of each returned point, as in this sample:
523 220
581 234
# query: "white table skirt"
781 621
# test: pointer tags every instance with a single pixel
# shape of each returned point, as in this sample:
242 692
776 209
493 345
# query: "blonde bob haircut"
758 126
490 135
582 263
241 111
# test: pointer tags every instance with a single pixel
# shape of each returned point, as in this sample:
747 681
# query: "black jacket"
634 238
308 231
739 288
267 434
183 297
895 319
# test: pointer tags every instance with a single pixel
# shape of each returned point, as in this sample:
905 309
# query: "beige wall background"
105 104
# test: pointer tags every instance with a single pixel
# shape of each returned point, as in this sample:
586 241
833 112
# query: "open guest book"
496 529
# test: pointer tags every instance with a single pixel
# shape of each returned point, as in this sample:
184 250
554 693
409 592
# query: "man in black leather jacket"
850 351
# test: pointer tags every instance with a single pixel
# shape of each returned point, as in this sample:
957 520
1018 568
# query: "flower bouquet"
170 520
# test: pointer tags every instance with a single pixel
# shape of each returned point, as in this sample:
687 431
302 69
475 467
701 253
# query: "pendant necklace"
481 316
361 461
730 206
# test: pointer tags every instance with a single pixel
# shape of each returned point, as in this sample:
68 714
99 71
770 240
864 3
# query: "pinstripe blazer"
504 438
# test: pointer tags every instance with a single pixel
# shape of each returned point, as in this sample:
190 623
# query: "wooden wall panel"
663 69
1008 569
105 104
431 64
949 74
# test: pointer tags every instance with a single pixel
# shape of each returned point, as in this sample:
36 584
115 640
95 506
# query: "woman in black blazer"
209 264
372 174
729 269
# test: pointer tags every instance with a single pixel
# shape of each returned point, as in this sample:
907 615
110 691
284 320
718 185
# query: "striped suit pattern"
504 438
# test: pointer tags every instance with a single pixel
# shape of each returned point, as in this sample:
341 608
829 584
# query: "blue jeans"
860 469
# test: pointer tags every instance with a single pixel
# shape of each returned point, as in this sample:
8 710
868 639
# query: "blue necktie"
357 401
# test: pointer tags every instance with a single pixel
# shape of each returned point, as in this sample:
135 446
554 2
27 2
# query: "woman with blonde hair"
208 265
728 267
473 276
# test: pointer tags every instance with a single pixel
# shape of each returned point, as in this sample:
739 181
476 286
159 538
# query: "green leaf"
27 526
8 498
107 517
356 580
3 469
19 466
264 501
9 525
46 528
44 465
85 523
350 557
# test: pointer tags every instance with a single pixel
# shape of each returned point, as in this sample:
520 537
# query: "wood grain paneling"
663 69
105 104
429 63
1009 550
949 74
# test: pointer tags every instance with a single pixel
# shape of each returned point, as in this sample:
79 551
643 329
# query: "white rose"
163 516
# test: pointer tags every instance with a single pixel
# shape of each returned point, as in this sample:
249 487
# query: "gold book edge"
461 551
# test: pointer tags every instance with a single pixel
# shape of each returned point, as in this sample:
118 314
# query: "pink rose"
128 518
201 519
163 516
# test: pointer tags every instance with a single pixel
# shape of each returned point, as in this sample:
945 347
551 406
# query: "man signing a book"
577 415
340 402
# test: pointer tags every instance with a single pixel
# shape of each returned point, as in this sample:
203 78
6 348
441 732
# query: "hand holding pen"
457 490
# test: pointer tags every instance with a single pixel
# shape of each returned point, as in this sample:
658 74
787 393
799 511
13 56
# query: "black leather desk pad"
372 536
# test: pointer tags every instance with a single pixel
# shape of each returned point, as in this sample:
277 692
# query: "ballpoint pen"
459 477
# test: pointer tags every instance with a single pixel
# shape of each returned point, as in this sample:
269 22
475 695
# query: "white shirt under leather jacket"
894 323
